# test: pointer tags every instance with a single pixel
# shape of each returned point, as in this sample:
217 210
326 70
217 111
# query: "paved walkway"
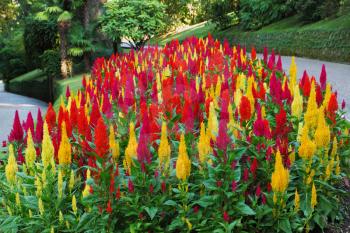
9 103
337 74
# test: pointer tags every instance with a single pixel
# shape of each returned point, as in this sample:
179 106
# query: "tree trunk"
65 69
86 22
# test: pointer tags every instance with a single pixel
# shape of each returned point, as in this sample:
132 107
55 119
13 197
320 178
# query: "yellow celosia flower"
313 196
337 168
297 104
307 147
11 167
74 205
296 201
60 184
65 150
310 177
203 145
52 230
131 149
310 116
18 200
183 163
9 211
30 153
47 148
39 186
86 190
334 147
164 148
322 133
60 217
293 75
41 206
328 171
249 93
43 178
71 181
327 96
213 125
280 176
113 144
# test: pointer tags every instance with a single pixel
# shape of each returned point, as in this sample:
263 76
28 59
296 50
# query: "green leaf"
170 203
245 209
151 212
284 225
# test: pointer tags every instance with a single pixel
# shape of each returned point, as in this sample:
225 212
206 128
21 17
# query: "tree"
134 20
8 13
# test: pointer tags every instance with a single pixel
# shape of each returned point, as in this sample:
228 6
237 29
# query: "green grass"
327 39
74 84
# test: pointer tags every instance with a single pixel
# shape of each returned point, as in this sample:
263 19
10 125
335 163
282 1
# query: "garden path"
9 103
337 74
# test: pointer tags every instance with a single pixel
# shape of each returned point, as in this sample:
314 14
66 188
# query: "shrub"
255 14
39 35
223 13
313 10
12 56
51 63
196 136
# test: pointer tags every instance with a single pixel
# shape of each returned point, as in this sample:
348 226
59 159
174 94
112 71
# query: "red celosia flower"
305 84
130 186
323 78
246 174
117 195
50 117
111 184
226 216
74 114
223 138
29 123
151 188
109 207
343 105
245 109
163 186
195 209
4 143
333 103
67 92
101 138
253 54
254 167
234 186
258 191
95 114
39 127
17 131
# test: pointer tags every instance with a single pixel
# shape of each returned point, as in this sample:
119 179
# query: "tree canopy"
135 20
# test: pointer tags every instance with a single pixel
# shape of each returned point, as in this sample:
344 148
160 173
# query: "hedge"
325 45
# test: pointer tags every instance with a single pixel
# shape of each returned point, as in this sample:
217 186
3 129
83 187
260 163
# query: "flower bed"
196 136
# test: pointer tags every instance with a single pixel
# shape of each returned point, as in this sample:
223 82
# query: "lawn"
326 39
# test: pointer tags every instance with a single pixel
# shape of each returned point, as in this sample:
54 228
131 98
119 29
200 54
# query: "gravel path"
9 103
337 74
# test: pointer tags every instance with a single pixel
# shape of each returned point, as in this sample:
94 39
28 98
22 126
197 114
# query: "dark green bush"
51 63
255 14
12 56
314 10
39 35
222 13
